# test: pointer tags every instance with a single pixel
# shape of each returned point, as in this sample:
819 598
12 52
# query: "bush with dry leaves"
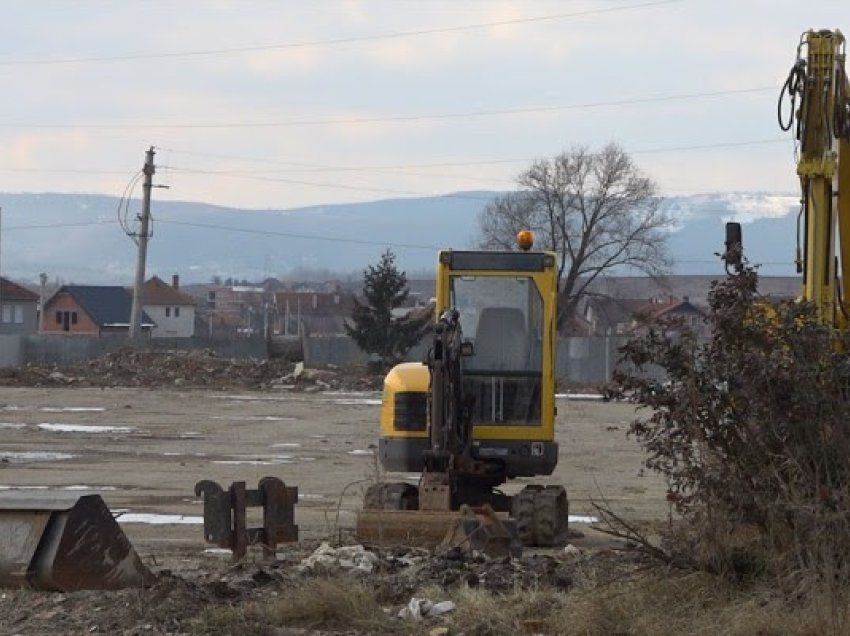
752 431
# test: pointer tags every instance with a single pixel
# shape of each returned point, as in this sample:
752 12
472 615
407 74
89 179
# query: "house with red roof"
93 310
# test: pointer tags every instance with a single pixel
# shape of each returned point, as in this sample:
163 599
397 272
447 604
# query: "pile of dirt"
195 369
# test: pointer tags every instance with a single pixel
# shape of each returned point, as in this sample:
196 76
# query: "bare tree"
595 210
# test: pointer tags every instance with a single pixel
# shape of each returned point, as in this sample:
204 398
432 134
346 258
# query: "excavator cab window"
502 317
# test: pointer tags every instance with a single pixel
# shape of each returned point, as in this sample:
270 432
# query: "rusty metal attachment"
469 529
65 543
225 515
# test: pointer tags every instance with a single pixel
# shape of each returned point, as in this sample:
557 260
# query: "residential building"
315 312
171 310
18 309
626 316
95 310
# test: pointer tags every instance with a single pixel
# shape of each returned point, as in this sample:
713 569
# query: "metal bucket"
64 543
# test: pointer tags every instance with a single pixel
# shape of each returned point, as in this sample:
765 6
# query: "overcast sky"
261 103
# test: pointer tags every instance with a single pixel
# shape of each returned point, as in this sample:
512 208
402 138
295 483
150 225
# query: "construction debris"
419 608
188 369
354 558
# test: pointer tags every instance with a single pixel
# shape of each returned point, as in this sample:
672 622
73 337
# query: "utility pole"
142 242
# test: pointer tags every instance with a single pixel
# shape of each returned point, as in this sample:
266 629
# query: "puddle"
360 452
85 428
72 409
14 425
307 497
582 519
157 519
23 457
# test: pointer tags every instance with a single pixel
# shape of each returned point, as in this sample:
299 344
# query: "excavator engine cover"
65 543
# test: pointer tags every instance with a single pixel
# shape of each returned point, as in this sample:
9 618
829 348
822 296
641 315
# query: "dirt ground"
156 444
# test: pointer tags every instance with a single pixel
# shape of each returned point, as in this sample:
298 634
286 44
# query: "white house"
172 311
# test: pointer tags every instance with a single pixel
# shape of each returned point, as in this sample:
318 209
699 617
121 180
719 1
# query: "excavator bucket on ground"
468 529
65 543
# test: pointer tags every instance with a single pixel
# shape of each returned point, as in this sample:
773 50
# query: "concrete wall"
583 360
64 350
171 326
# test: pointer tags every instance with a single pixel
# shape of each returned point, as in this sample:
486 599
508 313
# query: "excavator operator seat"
501 340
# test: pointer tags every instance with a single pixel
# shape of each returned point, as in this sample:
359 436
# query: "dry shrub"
752 431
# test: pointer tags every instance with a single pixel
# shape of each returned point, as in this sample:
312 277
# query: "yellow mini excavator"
479 412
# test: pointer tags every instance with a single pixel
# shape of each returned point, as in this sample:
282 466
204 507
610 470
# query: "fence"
16 350
585 360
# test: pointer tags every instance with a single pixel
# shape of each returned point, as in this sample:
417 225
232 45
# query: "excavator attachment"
468 529
65 543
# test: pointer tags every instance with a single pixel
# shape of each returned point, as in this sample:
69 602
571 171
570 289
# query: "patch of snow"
81 487
190 434
256 460
307 496
16 425
287 445
358 401
578 396
359 452
85 428
23 487
157 519
72 409
582 519
21 457
254 418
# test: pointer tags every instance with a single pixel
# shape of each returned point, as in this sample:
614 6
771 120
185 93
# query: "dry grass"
341 604
654 603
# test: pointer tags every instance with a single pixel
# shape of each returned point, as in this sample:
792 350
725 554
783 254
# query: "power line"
460 163
333 41
524 110
56 225
313 237
322 184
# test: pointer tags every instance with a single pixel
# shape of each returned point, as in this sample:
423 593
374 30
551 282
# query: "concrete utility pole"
142 241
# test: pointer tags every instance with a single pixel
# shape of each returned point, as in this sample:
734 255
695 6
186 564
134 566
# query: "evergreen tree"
374 328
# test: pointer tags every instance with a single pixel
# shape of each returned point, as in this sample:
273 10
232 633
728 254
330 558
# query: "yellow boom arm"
820 102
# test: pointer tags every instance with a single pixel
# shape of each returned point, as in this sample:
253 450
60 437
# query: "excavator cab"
506 307
480 410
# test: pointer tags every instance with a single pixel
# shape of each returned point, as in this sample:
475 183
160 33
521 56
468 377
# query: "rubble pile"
195 369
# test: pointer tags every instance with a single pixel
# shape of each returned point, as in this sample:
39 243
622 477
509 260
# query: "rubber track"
522 510
550 516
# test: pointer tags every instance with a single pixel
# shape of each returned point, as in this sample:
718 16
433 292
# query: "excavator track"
542 515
